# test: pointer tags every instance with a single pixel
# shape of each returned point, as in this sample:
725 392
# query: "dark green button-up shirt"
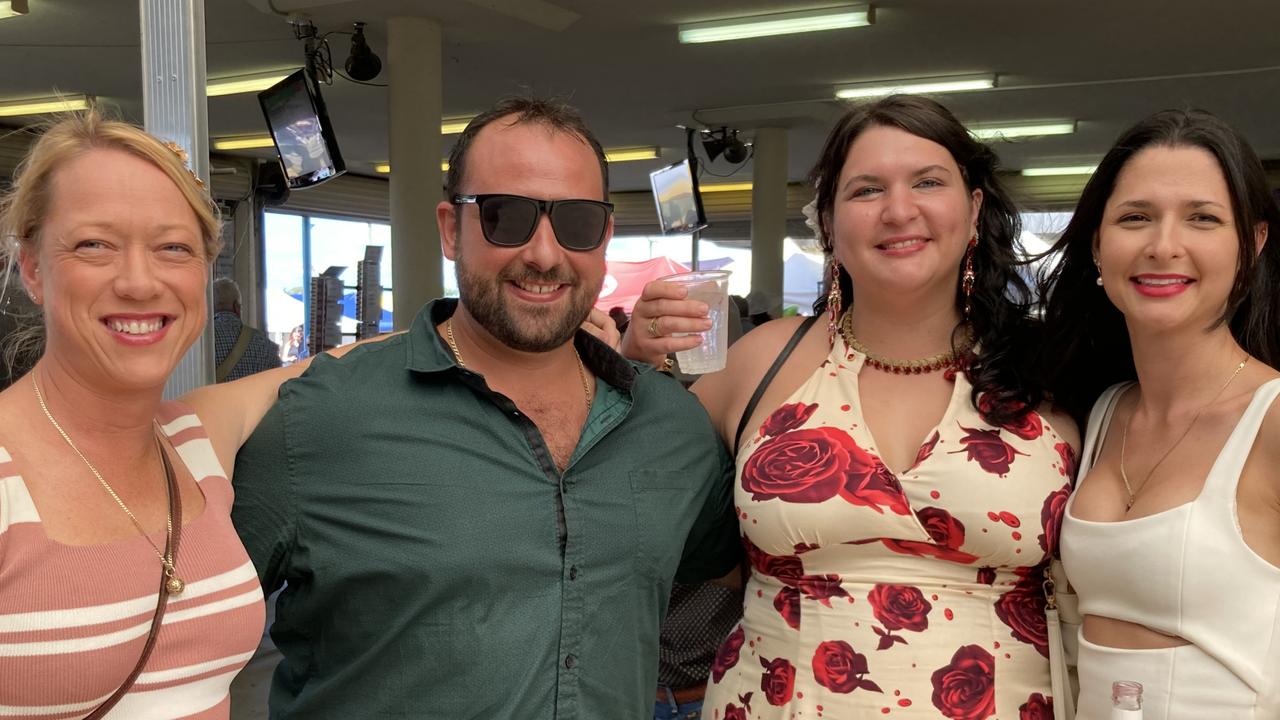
438 565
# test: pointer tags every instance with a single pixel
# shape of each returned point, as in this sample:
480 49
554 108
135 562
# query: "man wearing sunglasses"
482 517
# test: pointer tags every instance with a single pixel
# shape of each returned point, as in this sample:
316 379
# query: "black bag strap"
768 378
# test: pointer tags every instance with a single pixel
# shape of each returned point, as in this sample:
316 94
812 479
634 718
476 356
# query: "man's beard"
530 328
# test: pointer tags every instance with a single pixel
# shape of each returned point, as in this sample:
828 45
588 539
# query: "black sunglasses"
510 220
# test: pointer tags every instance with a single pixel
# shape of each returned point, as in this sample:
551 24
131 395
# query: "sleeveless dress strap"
1099 421
1224 476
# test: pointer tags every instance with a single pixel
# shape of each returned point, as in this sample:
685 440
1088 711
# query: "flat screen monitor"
675 192
303 135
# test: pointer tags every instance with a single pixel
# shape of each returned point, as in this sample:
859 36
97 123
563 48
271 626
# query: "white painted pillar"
175 109
768 212
414 60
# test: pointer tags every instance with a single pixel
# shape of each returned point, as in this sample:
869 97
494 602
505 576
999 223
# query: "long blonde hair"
25 206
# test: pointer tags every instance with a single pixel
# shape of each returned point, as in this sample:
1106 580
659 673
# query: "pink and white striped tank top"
73 619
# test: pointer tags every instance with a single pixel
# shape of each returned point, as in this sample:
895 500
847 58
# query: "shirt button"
573 572
570 661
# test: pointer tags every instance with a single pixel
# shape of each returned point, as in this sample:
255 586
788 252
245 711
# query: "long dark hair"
1001 365
1086 348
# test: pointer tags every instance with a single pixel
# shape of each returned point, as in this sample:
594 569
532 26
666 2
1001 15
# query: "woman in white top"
1167 293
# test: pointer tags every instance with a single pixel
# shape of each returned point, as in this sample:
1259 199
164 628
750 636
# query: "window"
297 247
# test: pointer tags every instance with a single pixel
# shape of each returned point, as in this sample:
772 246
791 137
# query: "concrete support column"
768 212
414 58
175 108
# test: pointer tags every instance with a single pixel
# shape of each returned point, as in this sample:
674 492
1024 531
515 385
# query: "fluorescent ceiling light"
453 126
880 88
1008 131
725 187
785 23
385 168
39 106
252 82
626 154
1067 170
12 8
243 142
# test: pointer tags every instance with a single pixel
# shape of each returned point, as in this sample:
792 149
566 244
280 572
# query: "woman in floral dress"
900 484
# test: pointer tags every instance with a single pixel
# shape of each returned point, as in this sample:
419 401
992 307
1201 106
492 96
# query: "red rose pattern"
788 417
1029 428
1051 520
801 466
946 531
965 689
821 588
778 680
840 668
926 449
787 603
1022 609
1037 707
900 607
869 483
1068 457
727 655
988 449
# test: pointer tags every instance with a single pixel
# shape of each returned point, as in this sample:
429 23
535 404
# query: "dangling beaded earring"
968 278
834 300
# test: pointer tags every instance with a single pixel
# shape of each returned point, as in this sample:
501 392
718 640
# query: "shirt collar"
426 351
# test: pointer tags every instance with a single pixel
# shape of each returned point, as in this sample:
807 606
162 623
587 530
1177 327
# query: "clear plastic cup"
712 288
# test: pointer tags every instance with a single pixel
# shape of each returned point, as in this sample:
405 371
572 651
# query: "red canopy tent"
624 281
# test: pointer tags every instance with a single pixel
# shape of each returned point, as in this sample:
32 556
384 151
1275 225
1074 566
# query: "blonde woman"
123 586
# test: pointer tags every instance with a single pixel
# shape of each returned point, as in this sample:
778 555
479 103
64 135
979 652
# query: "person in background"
900 480
619 317
238 350
1168 297
482 517
761 308
295 347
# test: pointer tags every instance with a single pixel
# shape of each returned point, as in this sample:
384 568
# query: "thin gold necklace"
174 584
1124 439
933 363
453 346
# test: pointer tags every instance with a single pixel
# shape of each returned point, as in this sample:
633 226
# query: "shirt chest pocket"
665 502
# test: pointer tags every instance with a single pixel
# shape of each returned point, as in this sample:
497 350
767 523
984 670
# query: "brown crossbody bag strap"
171 551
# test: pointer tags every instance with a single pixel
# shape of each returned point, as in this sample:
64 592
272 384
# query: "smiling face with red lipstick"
120 268
1168 245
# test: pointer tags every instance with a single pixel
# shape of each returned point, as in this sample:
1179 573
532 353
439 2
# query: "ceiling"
1105 63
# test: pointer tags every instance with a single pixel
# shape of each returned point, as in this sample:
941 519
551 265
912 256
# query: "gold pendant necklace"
173 584
1124 440
933 363
453 346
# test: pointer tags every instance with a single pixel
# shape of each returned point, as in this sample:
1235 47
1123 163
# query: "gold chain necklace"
453 346
1124 439
933 363
174 584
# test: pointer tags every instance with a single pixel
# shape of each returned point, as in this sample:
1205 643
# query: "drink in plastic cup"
712 288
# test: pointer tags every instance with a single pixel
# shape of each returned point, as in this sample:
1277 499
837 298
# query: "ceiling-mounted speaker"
272 188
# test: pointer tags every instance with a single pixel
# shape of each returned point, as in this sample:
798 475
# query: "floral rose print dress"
874 595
